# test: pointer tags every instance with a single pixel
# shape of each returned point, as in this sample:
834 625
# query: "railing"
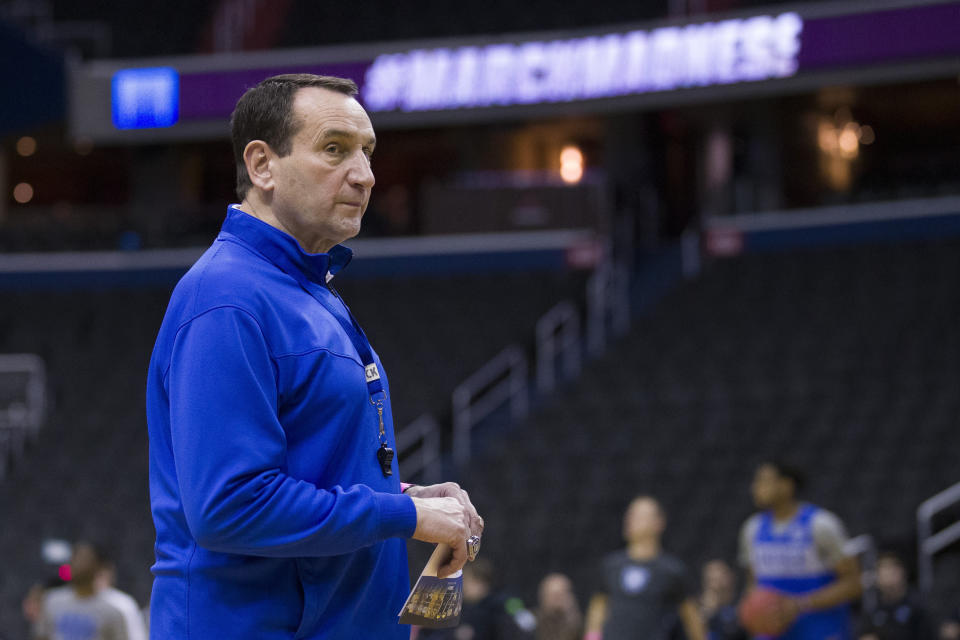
557 336
424 459
23 403
608 301
503 379
930 543
865 548
691 261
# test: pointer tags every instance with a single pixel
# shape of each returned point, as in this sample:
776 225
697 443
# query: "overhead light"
848 140
826 136
26 146
571 164
23 192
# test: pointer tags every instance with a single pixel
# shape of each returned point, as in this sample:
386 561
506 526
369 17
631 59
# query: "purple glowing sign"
751 49
214 94
697 55
885 36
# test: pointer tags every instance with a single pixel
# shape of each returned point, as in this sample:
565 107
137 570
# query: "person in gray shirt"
644 589
77 611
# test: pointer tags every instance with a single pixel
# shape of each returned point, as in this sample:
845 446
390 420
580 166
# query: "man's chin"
350 231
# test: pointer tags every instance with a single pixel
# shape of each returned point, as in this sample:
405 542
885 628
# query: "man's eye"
332 148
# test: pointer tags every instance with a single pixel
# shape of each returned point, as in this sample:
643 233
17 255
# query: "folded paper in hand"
435 602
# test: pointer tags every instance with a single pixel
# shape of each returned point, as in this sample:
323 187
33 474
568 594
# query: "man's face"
474 588
769 487
891 577
643 520
556 593
717 577
83 563
322 187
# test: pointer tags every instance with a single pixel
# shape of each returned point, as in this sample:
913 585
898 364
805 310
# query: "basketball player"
796 548
645 589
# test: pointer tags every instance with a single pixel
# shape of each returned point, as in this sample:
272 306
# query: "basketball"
763 612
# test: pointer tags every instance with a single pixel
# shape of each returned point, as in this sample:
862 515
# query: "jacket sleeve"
229 450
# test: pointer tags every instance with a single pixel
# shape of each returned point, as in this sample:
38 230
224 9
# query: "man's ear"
258 156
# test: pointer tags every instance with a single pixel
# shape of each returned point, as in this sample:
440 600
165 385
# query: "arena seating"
843 360
132 27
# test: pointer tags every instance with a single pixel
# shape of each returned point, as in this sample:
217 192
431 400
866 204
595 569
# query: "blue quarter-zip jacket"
273 517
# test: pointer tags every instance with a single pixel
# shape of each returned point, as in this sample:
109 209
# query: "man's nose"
361 173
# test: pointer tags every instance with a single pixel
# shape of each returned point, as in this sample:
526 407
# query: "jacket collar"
270 241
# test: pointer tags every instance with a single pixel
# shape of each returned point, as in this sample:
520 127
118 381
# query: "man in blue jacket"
274 489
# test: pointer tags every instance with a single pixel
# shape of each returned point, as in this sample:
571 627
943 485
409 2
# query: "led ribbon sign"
697 55
195 93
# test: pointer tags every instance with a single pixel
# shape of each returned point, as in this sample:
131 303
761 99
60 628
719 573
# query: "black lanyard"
357 337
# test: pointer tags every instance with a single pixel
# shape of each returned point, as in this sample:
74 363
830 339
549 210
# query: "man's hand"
443 519
451 490
791 608
596 617
692 621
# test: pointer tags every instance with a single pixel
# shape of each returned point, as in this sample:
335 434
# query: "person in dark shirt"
898 615
644 589
718 602
558 614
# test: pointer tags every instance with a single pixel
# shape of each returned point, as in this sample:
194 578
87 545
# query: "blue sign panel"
146 98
